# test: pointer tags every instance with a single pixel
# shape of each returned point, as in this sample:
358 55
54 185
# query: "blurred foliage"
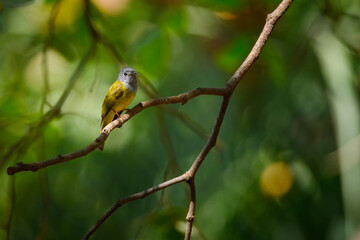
288 167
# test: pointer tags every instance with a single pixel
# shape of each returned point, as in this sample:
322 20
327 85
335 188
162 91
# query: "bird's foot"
117 113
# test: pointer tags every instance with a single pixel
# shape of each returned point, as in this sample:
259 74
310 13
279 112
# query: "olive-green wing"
114 93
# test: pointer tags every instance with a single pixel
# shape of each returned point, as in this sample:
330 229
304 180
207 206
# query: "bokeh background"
286 165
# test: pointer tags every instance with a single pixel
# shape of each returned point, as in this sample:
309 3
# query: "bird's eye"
125 74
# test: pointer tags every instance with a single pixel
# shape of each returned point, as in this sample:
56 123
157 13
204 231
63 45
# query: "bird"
119 96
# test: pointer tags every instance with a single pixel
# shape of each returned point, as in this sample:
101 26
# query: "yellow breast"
124 100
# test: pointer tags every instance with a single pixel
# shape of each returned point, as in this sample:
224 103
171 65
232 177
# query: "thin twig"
254 54
139 195
190 217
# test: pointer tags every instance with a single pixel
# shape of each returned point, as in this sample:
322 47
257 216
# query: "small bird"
119 96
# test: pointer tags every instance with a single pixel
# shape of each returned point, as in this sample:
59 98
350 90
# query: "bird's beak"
133 74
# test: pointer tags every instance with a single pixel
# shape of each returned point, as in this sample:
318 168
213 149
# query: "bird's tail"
111 116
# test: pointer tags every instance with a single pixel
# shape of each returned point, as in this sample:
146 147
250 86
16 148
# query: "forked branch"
230 87
189 176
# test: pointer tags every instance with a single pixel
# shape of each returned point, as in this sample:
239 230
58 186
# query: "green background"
298 104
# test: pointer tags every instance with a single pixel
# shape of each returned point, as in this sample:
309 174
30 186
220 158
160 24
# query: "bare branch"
182 98
188 176
228 90
133 197
254 54
190 217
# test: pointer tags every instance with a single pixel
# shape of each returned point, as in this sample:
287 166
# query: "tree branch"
190 217
139 195
254 54
228 90
188 176
182 98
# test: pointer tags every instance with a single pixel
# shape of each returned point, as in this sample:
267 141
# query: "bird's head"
127 75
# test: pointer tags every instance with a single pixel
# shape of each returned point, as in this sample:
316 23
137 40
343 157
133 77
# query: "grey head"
128 77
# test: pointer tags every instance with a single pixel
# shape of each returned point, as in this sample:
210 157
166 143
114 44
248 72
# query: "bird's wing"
114 93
